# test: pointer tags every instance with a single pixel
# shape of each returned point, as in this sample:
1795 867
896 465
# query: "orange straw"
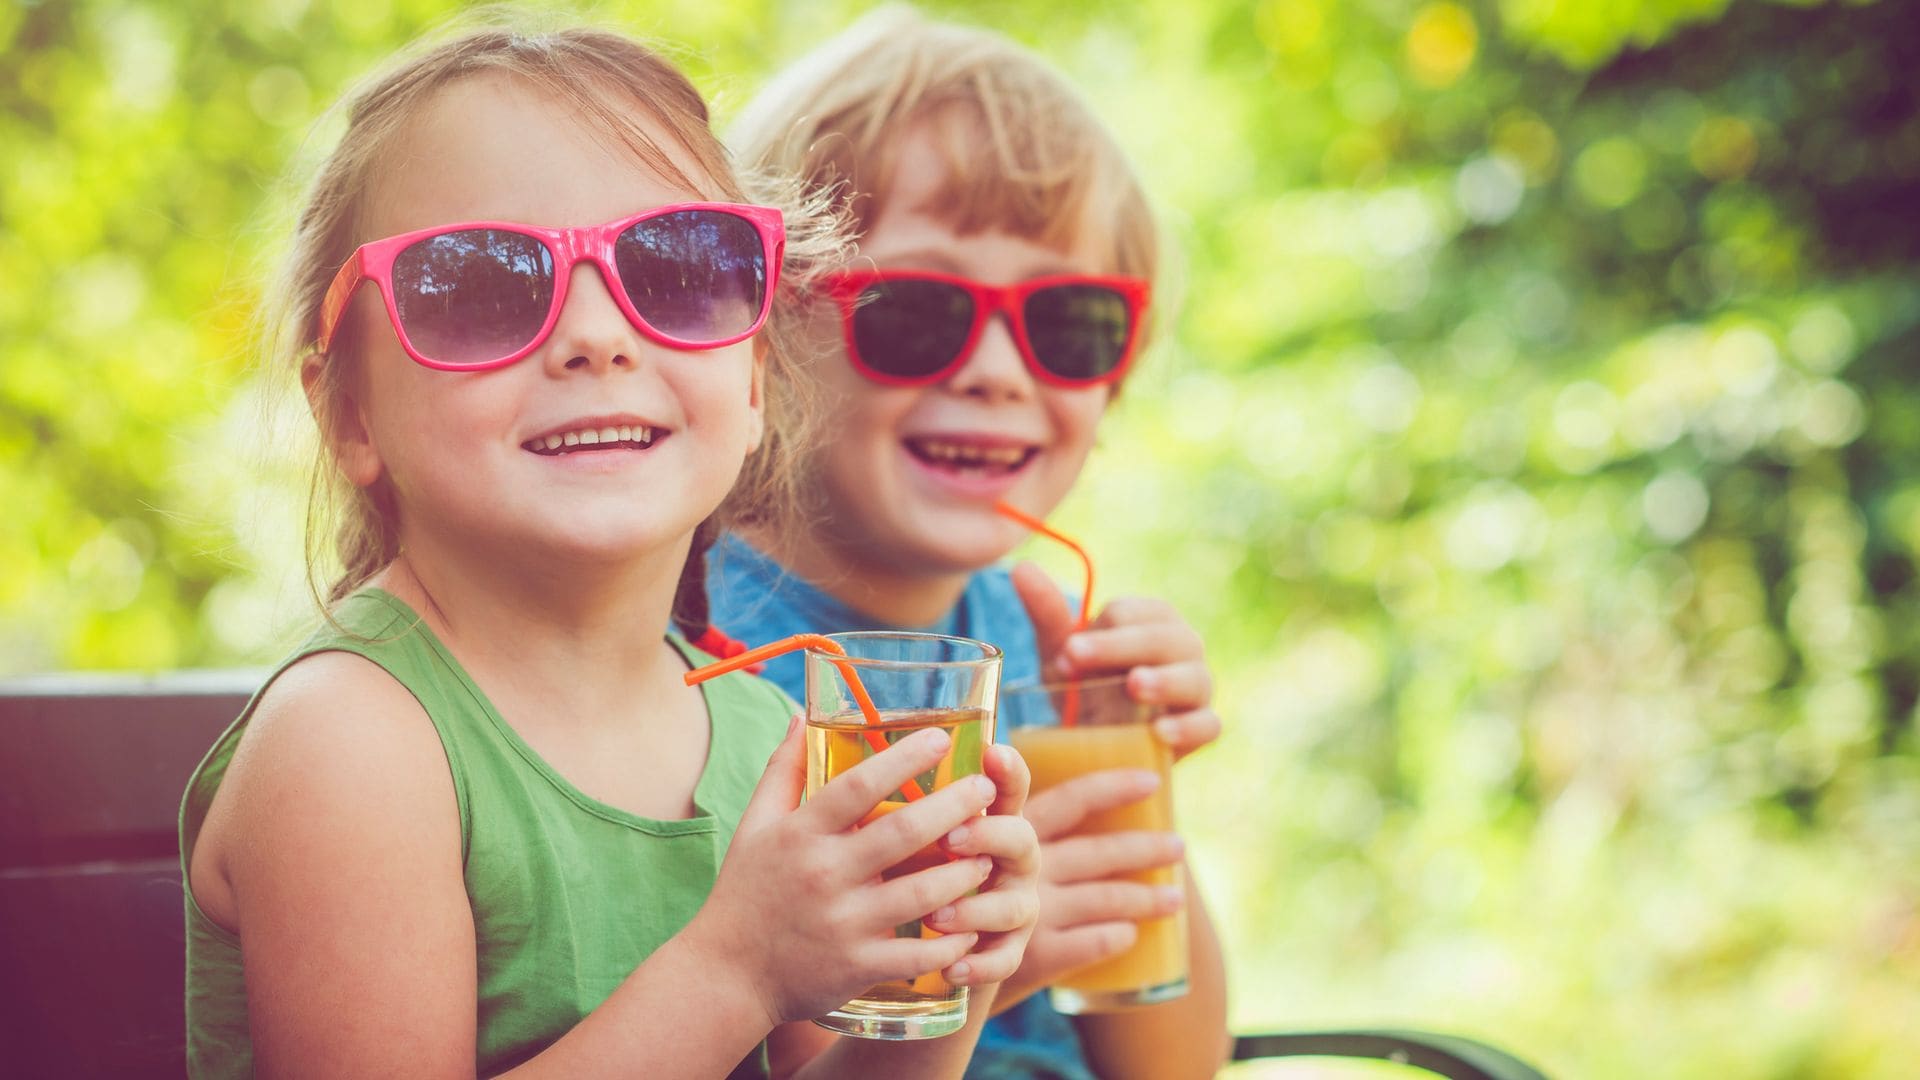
825 644
1070 703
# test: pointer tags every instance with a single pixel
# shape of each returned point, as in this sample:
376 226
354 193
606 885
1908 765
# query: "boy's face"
910 474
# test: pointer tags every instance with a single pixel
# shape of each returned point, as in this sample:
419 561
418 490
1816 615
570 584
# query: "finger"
1008 839
1104 901
904 829
1186 684
908 958
1011 779
848 798
1066 949
1133 645
1089 858
1061 809
1047 609
780 787
1133 610
1189 731
992 960
993 911
919 894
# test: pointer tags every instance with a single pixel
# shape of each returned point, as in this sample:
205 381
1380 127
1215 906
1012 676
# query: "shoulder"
338 740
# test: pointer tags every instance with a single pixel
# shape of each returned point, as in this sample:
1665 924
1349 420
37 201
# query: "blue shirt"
756 600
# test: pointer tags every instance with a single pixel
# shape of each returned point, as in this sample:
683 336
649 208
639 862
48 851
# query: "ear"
343 426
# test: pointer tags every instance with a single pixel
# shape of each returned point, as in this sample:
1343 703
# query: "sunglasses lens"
698 276
474 295
911 329
1079 332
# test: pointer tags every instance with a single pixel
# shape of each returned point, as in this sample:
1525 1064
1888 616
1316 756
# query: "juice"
1155 968
839 742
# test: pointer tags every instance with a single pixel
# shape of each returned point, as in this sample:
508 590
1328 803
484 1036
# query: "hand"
1088 907
1004 912
800 909
1162 654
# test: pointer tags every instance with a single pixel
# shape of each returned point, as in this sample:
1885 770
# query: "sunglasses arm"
339 294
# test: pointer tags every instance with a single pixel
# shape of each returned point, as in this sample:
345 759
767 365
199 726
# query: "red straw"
826 644
1070 703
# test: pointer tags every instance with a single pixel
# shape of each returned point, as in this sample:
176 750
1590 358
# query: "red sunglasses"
483 294
916 327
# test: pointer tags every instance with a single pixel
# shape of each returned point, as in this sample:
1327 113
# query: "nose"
592 333
995 370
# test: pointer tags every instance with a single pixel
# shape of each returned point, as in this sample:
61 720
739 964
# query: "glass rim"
988 651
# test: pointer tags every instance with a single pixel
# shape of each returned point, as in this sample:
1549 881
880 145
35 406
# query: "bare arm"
343 860
338 845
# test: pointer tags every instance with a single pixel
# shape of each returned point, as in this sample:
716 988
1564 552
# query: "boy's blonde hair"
610 83
1023 152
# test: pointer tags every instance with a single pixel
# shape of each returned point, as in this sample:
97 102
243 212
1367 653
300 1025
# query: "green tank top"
569 894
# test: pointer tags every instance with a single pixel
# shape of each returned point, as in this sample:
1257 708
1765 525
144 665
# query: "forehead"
915 211
497 147
940 179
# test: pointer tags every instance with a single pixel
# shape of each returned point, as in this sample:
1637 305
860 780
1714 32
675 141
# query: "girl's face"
910 474
459 448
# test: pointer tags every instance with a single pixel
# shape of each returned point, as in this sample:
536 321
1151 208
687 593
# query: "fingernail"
1168 731
983 865
959 971
1176 846
982 787
1078 648
944 915
1170 896
1145 683
936 739
1146 780
958 836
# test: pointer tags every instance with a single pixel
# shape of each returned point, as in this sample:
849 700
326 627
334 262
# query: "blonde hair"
1023 151
610 82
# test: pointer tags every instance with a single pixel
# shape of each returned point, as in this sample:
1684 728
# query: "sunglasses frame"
373 261
1008 301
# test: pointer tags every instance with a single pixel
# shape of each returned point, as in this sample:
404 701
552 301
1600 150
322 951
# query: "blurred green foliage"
1532 447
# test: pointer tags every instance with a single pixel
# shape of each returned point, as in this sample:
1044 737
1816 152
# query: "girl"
968 356
475 824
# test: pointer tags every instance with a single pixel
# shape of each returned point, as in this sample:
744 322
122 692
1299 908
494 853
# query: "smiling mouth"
586 440
970 457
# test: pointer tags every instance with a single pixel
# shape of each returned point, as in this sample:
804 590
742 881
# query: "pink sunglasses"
483 294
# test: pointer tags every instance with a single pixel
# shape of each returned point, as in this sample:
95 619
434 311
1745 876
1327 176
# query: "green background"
1532 446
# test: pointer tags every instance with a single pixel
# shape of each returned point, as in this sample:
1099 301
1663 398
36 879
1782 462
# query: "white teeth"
970 455
638 434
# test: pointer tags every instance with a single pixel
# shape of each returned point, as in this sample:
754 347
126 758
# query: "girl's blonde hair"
1023 152
612 84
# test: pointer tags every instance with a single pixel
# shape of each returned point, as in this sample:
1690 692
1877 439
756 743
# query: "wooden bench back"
92 917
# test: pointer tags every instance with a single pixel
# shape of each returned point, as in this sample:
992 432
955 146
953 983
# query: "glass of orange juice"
910 681
1065 730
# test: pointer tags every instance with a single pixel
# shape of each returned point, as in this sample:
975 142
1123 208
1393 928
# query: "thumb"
781 786
1047 609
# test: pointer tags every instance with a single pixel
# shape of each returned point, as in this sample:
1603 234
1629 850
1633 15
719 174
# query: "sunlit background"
1533 446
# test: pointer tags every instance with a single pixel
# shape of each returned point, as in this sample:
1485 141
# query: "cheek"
1076 415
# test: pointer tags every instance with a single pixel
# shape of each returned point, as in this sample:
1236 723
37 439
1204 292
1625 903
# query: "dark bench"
91 917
